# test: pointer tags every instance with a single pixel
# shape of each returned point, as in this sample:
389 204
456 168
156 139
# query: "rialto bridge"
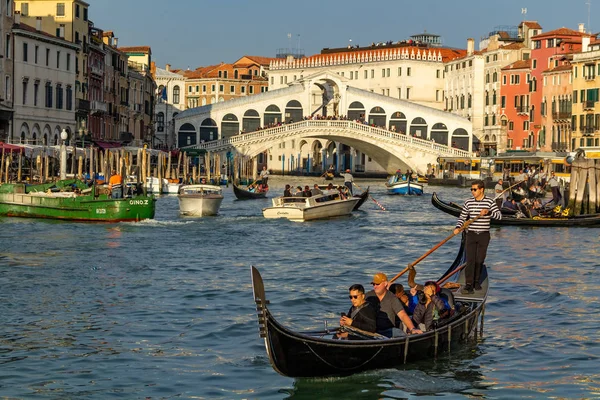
320 121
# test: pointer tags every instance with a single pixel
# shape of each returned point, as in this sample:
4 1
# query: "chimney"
17 17
585 43
470 46
38 24
582 27
168 67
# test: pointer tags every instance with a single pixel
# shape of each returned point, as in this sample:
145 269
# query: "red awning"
107 145
10 147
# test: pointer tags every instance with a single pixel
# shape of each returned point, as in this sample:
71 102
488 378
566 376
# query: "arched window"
235 74
494 97
176 95
495 77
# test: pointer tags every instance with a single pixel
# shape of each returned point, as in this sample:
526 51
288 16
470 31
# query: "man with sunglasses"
361 315
478 233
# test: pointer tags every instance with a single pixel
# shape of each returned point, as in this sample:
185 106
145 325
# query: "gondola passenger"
361 315
431 308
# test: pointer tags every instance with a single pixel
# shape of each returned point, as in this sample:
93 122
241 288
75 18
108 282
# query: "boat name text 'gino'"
138 202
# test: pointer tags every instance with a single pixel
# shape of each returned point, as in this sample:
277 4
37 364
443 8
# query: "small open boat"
329 176
199 200
243 194
578 220
404 187
303 209
317 354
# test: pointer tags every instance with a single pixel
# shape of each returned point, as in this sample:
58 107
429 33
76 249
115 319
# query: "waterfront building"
68 20
96 127
6 71
548 51
585 120
140 96
114 64
473 88
557 96
515 104
218 83
169 103
45 78
403 70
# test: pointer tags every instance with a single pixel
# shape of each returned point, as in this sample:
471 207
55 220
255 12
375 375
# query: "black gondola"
578 220
317 354
242 194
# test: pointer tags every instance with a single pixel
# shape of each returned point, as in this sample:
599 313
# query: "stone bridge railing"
280 132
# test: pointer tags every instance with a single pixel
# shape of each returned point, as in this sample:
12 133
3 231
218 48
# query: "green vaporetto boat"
71 200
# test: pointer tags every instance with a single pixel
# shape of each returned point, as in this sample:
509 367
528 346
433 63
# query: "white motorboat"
310 208
167 187
199 200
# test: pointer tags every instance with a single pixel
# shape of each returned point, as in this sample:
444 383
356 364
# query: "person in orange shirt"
115 184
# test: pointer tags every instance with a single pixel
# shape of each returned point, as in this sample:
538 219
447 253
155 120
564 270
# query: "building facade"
6 71
170 87
515 105
44 86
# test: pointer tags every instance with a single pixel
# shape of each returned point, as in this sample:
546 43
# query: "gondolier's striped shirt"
472 208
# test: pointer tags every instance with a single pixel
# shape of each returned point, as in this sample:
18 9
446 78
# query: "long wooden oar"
445 278
371 197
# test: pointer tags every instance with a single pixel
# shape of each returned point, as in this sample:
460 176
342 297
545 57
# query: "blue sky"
193 33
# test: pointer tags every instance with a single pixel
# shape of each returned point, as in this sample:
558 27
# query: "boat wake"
154 222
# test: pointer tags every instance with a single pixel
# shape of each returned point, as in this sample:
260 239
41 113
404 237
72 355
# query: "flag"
163 94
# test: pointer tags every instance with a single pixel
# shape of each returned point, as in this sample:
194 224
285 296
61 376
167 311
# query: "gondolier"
478 233
554 186
348 179
264 175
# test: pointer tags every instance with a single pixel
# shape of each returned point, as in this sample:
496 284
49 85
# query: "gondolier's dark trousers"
349 186
555 195
476 250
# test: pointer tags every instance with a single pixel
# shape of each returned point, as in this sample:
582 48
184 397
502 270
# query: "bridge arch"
251 121
418 128
293 111
460 139
272 115
208 130
230 126
186 136
398 122
439 133
377 116
356 110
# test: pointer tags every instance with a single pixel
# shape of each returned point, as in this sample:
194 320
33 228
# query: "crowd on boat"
391 311
307 191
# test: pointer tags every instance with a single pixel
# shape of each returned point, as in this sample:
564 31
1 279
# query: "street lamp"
63 155
82 133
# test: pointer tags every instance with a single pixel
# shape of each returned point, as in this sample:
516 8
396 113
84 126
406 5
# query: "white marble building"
170 101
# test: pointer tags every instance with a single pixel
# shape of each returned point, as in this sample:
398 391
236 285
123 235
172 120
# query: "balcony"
588 130
522 109
137 107
82 104
561 115
589 104
559 146
97 71
98 107
590 78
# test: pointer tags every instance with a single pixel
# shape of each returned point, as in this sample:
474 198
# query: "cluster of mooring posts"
584 186
42 165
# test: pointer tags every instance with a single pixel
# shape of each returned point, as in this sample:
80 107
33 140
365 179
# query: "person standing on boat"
389 308
500 193
554 186
478 233
264 175
115 184
348 179
361 315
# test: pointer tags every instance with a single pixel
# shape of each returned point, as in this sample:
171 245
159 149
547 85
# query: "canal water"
163 309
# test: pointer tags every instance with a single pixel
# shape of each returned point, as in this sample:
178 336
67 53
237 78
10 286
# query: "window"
176 95
25 82
36 89
504 80
511 127
7 46
48 94
24 9
437 73
68 62
59 96
60 9
220 74
503 101
85 14
486 120
366 74
58 60
408 92
35 54
251 89
76 10
243 89
231 89
47 57
7 91
212 88
69 105
399 71
221 88
408 72
190 89
372 73
574 96
387 72
160 122
534 64
203 88
197 88
24 52
225 74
